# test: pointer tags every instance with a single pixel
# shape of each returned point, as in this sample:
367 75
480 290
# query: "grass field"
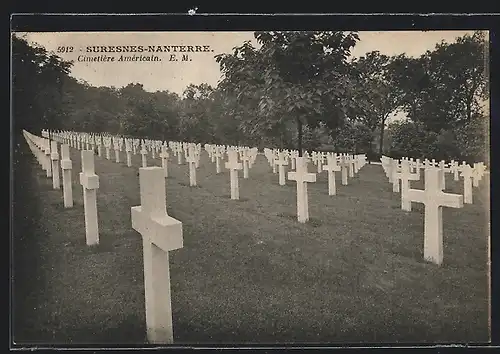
248 272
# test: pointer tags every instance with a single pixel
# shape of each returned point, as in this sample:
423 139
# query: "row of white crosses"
217 153
184 151
88 179
334 163
472 175
347 164
49 159
80 140
302 177
193 159
241 157
160 232
432 196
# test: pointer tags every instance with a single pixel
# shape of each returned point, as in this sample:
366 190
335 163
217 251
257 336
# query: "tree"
445 86
37 80
294 76
458 72
194 117
411 139
374 97
473 139
353 137
141 115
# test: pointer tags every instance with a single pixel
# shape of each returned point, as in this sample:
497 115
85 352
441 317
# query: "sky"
175 76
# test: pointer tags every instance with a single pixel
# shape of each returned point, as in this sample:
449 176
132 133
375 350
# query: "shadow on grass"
312 221
105 245
227 196
26 264
188 185
59 205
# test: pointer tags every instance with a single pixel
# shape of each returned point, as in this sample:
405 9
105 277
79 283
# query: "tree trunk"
468 112
381 141
299 136
370 146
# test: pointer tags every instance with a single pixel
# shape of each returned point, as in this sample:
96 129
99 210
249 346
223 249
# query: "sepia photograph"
250 188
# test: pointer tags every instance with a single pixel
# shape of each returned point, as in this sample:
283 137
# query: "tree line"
298 90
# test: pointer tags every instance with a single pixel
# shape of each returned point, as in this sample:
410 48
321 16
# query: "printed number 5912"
64 49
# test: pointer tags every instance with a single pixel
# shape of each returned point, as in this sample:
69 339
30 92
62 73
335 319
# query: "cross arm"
331 168
66 164
451 200
89 181
416 195
164 231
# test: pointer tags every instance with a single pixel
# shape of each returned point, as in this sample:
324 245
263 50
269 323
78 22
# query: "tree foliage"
375 98
296 76
295 90
37 86
444 87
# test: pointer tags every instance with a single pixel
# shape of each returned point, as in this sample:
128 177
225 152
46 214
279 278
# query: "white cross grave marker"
455 170
99 147
179 154
477 173
191 160
128 152
467 174
302 177
281 161
144 155
332 166
245 158
116 150
108 146
319 161
442 166
153 152
160 234
54 155
434 200
47 158
218 156
350 160
164 159
294 154
90 183
395 175
66 167
344 163
406 176
233 165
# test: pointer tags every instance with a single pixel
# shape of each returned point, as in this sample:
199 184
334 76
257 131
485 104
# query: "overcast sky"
175 76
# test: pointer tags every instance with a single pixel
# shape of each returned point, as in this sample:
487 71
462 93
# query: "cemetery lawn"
248 271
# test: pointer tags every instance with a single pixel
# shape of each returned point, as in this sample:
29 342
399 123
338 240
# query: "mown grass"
248 271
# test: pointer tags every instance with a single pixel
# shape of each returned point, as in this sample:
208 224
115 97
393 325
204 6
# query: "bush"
409 139
465 142
473 140
353 138
373 156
